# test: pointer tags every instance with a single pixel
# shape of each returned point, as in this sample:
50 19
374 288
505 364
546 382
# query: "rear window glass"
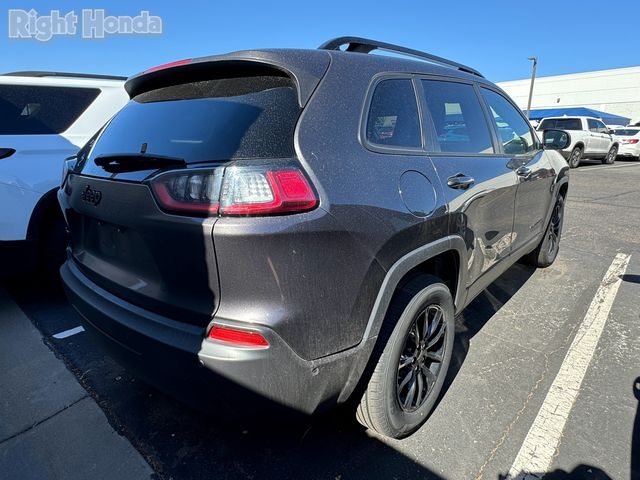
627 131
457 117
561 124
221 119
393 115
38 110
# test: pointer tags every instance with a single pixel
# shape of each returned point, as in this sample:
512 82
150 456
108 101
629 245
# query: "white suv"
590 139
44 118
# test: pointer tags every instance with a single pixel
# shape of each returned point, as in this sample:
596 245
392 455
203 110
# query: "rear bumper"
175 357
629 151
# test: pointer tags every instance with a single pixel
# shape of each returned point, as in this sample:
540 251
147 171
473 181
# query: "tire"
418 305
547 250
611 155
575 157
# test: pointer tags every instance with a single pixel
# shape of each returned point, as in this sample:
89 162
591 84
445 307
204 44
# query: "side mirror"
611 131
556 139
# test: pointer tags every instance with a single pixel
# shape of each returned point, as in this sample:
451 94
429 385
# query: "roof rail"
63 74
365 45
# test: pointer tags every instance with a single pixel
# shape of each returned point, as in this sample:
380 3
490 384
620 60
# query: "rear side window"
208 120
457 116
515 134
393 119
38 110
561 124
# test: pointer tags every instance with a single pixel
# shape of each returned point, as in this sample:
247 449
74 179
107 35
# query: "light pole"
533 79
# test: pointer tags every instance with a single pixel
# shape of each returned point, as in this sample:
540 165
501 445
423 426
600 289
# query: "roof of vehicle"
569 117
307 66
60 78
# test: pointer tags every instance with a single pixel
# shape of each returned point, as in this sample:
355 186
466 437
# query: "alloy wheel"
421 358
555 226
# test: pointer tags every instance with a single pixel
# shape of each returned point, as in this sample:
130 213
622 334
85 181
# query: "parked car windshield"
561 124
627 131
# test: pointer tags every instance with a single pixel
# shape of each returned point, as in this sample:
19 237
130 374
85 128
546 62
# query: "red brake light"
631 141
254 192
169 65
240 190
239 338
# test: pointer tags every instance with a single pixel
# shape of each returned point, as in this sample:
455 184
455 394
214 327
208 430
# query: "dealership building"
614 91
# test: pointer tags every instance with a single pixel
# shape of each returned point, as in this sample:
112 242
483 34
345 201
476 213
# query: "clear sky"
493 36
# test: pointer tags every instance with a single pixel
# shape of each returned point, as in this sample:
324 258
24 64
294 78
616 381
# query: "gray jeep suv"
301 226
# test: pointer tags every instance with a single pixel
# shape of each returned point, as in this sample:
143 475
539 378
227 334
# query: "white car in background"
44 118
590 139
629 138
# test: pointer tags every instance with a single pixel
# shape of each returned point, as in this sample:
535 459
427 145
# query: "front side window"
593 125
457 116
515 134
393 119
40 110
602 128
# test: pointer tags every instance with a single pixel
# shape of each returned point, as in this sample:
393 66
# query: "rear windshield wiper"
134 162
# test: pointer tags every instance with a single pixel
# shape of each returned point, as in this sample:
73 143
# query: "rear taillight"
189 192
255 192
237 337
236 190
630 141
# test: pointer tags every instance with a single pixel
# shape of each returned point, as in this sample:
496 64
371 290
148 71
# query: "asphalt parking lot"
514 351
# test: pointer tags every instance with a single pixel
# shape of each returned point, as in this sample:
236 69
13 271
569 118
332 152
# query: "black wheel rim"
421 358
555 226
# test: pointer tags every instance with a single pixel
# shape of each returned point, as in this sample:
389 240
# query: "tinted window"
457 117
515 134
630 132
246 117
593 125
561 124
32 110
602 128
393 115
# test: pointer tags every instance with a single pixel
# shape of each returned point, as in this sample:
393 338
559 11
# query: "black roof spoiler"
365 45
305 70
42 74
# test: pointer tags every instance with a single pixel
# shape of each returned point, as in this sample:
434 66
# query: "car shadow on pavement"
631 278
635 439
480 311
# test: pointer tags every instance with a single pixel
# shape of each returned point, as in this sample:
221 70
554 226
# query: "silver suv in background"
590 139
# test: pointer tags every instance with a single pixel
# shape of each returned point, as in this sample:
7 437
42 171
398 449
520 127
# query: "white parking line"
608 167
541 443
68 333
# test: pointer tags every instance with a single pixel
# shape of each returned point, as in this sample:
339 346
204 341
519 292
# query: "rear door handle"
461 181
6 152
